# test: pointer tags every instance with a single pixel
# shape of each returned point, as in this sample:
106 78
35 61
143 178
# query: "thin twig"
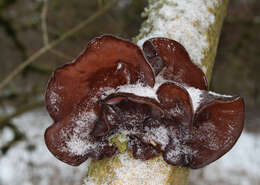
14 95
45 34
4 120
60 54
56 42
18 136
44 22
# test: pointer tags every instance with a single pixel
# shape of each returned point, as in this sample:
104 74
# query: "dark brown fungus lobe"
74 90
217 126
176 102
131 112
135 116
152 56
101 53
172 59
141 150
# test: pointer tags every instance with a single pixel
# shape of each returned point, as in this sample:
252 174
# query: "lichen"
120 141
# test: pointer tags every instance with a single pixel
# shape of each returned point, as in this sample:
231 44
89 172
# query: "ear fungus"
217 126
135 116
177 104
74 89
172 59
87 107
152 56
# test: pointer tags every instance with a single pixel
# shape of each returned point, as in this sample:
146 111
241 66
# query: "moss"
120 141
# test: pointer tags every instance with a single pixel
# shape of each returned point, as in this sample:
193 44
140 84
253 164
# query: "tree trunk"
196 25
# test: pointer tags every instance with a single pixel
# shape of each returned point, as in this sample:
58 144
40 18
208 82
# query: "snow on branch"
196 24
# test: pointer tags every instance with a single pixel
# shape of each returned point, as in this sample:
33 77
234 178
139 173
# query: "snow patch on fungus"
182 21
159 135
139 90
55 99
84 118
220 95
79 147
76 145
196 97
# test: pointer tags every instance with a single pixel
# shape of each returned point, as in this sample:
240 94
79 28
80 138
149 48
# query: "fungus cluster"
157 97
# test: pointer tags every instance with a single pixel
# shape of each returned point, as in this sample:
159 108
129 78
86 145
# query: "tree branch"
4 120
199 33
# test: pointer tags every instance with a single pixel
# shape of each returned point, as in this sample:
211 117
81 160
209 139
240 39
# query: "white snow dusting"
134 171
159 135
6 135
29 162
139 90
79 147
76 144
185 22
220 95
195 95
137 172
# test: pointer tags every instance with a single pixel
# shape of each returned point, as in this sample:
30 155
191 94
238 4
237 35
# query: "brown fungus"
87 101
172 59
217 125
74 90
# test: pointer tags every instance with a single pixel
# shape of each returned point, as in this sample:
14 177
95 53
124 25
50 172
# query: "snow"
196 96
76 145
220 95
29 162
159 135
183 21
136 172
139 90
6 135
79 147
55 98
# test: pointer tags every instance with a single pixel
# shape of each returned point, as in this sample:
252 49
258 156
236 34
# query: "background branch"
26 108
44 22
45 34
52 44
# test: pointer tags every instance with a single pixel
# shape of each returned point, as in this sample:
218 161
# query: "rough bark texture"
117 171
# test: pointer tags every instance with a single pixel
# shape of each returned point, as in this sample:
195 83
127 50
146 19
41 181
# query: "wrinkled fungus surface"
158 98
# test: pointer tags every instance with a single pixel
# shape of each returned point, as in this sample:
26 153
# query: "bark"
199 33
